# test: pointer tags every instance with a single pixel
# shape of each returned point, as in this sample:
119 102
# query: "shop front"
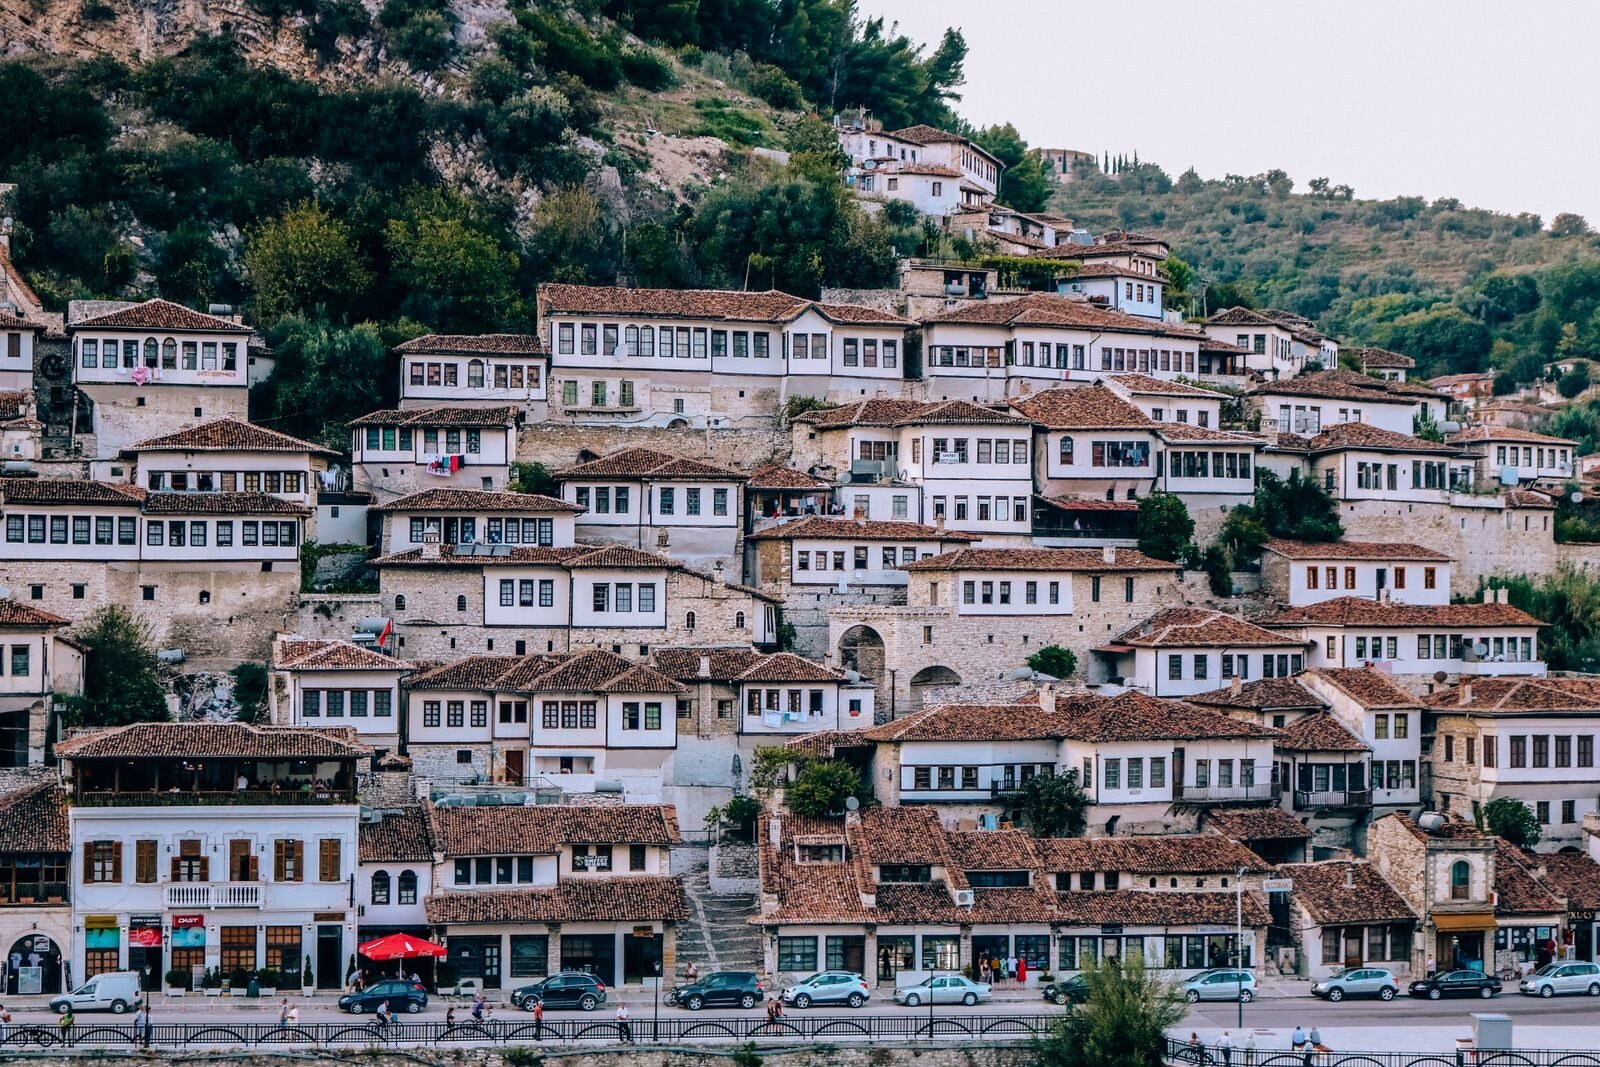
188 945
34 965
1461 940
144 951
1581 934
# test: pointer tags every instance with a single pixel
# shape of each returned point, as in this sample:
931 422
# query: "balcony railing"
213 894
33 893
1221 793
1305 800
220 798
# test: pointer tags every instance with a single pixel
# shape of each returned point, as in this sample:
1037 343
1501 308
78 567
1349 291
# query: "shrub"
645 69
775 87
1055 661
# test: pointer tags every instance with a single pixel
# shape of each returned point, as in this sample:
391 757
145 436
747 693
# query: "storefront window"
1035 948
941 953
530 955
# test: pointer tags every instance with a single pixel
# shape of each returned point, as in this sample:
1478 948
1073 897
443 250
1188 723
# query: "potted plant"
308 983
211 983
268 979
177 982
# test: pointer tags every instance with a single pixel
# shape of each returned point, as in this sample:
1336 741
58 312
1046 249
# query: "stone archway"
861 650
936 677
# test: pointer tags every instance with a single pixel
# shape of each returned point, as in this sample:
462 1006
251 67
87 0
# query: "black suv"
569 989
719 989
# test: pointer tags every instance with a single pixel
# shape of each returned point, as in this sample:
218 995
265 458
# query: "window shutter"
88 862
116 862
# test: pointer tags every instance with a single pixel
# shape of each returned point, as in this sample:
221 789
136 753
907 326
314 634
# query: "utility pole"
1238 942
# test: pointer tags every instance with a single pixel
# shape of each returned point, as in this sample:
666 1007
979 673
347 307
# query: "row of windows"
382 883
106 530
1518 748
1383 942
168 354
681 342
1129 289
666 499
860 558
1188 464
179 533
954 450
403 439
1171 951
959 777
988 509
619 597
520 592
464 531
1430 577
1109 453
506 375
869 352
1000 592
1273 665
74 529
1556 456
102 861
314 702
227 481
793 701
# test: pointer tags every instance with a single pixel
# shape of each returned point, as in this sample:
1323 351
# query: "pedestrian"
293 1018
1297 1041
1431 968
1315 1040
538 1020
67 1020
5 1024
478 1008
772 1014
1250 1050
1197 1054
624 1027
777 1008
283 1012
450 1016
691 973
1225 1046
138 1022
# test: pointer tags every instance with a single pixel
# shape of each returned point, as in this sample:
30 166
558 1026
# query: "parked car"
1357 982
1221 983
1568 977
1074 990
1456 984
942 989
113 991
719 989
827 987
402 995
568 989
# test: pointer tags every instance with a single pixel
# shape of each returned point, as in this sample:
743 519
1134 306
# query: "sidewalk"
1436 1039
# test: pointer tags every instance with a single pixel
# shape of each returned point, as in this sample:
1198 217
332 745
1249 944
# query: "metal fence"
1183 1054
796 1026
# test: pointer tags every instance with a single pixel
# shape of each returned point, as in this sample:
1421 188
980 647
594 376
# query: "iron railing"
523 1030
1183 1054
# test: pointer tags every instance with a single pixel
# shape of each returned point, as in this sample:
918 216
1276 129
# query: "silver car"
942 989
1221 983
1568 977
1357 982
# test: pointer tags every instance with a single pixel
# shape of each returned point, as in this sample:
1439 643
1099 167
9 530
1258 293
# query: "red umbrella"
400 947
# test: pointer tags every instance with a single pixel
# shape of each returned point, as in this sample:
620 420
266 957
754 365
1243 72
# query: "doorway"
516 764
640 958
1583 941
477 957
594 954
330 957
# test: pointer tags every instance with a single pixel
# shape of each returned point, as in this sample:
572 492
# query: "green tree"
250 691
305 261
1574 381
1123 1021
1055 661
454 269
821 787
534 478
571 237
1164 527
1297 509
1567 224
326 375
1513 820
1054 805
1426 427
1023 185
122 678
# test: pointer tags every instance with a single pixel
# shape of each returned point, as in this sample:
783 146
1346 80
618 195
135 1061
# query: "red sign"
180 922
146 937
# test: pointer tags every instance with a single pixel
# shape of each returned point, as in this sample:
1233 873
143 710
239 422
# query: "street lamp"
1238 942
655 1025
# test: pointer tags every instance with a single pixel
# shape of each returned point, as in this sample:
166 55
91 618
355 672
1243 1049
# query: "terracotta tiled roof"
724 663
596 671
1359 611
14 614
1517 888
397 837
439 416
1047 309
486 344
1382 358
970 722
15 403
647 463
477 500
899 835
1263 694
229 435
1145 385
1517 696
823 744
840 529
788 667
1362 550
924 134
1573 875
1444 381
320 655
9 321
221 504
1364 435
1187 433
1348 385
1074 504
213 740
1265 823
472 672
1199 626
1240 316
1159 908
991 850
1320 732
892 411
1040 559
620 899
543 829
1093 408
1339 891
1133 716
34 819
505 556
932 170
159 315
1367 686
777 476
720 304
1157 854
1526 498
1481 433
68 491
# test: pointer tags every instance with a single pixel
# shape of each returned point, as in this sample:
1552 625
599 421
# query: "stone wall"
734 869
243 605
559 446
127 414
1484 539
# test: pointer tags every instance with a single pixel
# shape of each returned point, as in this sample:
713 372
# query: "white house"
213 845
1280 344
229 456
1313 403
37 661
477 517
485 370
17 338
1359 461
637 496
155 367
1381 362
1387 719
336 683
395 875
816 554
1183 651
1509 456
1297 573
1120 275
397 452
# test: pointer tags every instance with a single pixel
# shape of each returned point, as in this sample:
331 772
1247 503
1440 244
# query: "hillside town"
739 631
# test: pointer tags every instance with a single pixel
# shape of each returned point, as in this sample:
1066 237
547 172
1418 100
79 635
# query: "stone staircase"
716 936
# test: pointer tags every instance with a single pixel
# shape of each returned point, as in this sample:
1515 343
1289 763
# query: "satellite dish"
1481 648
851 804
1576 496
1441 677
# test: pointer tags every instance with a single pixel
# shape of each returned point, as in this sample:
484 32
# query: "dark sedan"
1456 984
1074 990
403 996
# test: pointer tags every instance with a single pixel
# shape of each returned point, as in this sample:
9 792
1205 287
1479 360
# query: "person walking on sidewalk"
1250 1050
538 1019
138 1025
66 1023
5 1024
624 1027
1225 1046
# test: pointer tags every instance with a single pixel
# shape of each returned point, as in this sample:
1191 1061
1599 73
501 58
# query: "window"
102 861
330 866
1460 880
380 887
799 953
288 860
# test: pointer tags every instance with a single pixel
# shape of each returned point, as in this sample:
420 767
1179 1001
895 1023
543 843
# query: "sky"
1490 103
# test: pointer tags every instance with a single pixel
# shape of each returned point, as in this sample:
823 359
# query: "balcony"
1222 794
175 798
213 895
1309 800
24 893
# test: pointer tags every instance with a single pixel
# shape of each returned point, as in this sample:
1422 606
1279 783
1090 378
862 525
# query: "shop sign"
99 922
181 922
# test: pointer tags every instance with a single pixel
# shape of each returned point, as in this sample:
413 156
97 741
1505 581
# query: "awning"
1114 650
1482 921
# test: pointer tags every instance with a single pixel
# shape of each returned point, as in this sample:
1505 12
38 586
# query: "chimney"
1047 698
1488 596
663 547
1466 693
938 522
1503 595
1108 553
704 667
430 542
1235 685
774 829
1350 876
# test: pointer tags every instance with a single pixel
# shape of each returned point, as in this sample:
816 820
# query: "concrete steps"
717 936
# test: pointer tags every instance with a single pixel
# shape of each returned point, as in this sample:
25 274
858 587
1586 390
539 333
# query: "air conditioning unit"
964 898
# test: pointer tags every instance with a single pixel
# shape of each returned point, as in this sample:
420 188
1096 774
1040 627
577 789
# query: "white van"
115 991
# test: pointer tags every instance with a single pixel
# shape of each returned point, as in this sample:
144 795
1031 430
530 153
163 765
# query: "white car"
942 989
1569 977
